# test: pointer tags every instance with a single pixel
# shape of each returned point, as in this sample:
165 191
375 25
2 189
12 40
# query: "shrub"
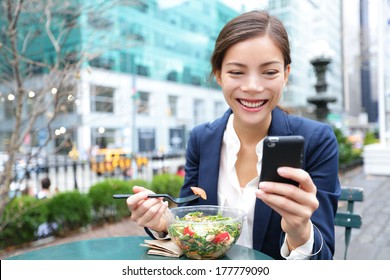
23 215
348 156
138 182
104 206
167 183
70 210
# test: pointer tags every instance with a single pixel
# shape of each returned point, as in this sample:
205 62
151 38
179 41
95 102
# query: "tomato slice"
224 236
188 231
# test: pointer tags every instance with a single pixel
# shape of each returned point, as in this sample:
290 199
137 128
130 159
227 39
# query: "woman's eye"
271 73
235 73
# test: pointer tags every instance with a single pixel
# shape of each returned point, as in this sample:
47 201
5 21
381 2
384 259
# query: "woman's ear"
217 76
286 74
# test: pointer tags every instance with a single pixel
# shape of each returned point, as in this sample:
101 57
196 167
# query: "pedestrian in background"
45 229
180 171
44 192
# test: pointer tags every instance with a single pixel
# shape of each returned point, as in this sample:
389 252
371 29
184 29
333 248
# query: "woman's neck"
251 135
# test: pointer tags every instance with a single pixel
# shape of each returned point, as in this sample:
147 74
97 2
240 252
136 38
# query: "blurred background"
99 89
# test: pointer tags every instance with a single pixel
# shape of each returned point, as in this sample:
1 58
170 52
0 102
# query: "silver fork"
177 200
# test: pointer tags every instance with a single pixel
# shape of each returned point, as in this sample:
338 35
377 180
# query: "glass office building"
306 22
144 82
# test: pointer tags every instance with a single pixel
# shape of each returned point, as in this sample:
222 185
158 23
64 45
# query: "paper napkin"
164 248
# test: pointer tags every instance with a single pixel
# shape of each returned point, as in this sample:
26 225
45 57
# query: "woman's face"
252 78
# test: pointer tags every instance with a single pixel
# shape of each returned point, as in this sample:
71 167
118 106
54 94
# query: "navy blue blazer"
320 161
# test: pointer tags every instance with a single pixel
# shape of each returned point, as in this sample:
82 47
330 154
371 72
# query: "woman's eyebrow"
235 64
270 62
261 65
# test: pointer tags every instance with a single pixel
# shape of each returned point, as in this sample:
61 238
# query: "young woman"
251 63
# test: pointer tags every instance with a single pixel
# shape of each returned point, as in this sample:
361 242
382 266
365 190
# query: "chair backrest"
348 219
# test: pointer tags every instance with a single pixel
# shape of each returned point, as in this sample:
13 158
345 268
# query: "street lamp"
320 58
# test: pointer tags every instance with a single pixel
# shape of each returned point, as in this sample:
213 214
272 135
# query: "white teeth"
251 104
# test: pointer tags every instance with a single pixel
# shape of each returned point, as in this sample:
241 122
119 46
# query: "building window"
102 99
134 32
199 114
103 137
142 70
64 141
143 103
172 103
99 22
195 81
172 76
102 62
146 139
176 139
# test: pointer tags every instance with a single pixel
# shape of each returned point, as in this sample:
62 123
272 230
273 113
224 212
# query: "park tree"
40 66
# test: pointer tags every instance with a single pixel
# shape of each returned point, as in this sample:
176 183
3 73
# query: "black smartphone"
281 151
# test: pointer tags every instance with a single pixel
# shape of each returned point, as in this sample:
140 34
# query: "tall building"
352 58
369 96
309 21
384 71
377 156
146 81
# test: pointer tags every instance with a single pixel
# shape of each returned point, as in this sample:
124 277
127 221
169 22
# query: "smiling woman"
252 77
251 62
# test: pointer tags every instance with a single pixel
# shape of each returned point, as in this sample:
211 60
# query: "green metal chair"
348 219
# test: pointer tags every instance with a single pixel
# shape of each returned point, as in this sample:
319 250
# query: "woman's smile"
252 105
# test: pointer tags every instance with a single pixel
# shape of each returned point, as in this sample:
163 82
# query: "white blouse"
231 194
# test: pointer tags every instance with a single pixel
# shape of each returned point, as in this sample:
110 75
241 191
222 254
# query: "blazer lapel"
211 149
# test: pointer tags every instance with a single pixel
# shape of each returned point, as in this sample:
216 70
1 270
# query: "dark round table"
120 248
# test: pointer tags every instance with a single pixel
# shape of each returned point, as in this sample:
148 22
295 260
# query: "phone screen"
281 151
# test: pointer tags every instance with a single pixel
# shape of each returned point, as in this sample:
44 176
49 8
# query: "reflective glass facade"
307 21
166 43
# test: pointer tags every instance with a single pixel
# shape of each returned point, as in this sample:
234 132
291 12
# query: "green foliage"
138 182
347 153
370 138
70 210
23 215
167 183
73 210
104 206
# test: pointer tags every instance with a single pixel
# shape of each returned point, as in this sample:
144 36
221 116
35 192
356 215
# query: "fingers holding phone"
300 176
281 170
280 151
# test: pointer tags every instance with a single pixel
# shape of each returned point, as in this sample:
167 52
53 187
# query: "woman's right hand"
147 212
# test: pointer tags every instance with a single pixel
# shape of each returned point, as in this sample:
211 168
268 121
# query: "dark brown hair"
246 26
45 183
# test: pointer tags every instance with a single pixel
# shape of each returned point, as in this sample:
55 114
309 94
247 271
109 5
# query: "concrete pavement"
372 240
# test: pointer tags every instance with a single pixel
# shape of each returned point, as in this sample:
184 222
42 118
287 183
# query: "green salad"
204 236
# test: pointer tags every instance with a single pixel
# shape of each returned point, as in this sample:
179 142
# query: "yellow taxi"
110 161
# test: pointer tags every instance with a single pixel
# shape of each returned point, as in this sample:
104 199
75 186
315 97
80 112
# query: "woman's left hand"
295 204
